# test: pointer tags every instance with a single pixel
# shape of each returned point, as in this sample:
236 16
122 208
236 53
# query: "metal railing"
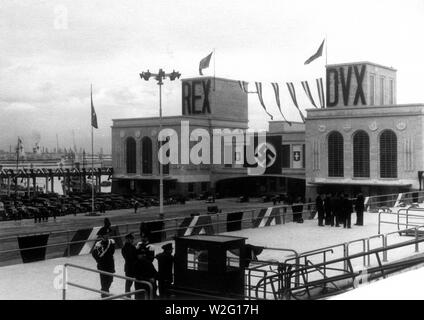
398 214
294 289
169 232
66 282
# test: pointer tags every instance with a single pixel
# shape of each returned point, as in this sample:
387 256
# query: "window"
335 155
388 154
147 153
381 90
372 90
233 259
197 259
131 155
361 154
285 156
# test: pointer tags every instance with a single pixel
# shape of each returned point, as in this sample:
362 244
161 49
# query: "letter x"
359 89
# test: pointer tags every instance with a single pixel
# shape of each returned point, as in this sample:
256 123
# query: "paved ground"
36 280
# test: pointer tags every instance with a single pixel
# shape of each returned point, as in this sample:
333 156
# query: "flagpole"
92 160
214 55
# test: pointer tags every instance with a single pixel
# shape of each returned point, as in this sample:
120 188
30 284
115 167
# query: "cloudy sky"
51 51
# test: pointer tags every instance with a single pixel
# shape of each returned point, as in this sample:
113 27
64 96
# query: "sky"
51 51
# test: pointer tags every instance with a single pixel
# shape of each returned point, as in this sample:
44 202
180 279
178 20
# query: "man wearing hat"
165 264
145 245
129 253
144 271
103 254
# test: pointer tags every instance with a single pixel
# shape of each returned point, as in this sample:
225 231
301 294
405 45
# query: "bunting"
305 86
259 91
277 99
292 92
320 88
242 85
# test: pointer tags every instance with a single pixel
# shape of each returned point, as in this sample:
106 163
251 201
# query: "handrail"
349 273
66 265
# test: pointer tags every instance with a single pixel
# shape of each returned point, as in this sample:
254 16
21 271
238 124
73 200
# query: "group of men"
336 209
138 264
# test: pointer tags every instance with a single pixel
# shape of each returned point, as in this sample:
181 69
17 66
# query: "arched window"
335 155
361 154
147 153
388 154
131 155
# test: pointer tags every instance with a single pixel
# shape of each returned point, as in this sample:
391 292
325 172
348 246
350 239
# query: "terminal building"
361 142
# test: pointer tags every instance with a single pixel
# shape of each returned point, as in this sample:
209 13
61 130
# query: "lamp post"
159 77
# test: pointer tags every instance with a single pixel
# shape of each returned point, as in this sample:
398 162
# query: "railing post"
64 282
284 215
297 278
364 249
417 248
385 246
345 255
368 255
217 224
68 243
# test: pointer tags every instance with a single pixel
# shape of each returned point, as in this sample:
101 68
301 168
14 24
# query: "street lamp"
159 77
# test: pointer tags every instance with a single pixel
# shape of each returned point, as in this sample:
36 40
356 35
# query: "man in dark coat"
144 271
359 208
103 254
319 204
327 208
347 211
129 253
338 209
165 264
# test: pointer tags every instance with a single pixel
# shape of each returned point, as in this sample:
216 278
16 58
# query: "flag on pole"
204 63
305 86
292 92
93 112
316 54
259 91
277 99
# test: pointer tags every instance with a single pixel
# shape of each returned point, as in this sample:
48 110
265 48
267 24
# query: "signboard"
270 151
195 97
345 85
297 156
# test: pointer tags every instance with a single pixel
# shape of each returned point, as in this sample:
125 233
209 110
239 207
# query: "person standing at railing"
319 203
359 208
297 209
165 263
129 252
338 209
144 271
327 208
103 252
347 211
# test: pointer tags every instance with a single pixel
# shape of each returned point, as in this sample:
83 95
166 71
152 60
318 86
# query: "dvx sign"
345 85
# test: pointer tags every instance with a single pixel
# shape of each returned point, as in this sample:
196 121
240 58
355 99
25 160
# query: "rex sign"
195 95
345 85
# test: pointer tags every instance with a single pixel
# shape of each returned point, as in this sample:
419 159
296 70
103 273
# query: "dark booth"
210 265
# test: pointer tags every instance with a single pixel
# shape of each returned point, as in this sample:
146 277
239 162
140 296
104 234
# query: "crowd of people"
336 209
138 264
